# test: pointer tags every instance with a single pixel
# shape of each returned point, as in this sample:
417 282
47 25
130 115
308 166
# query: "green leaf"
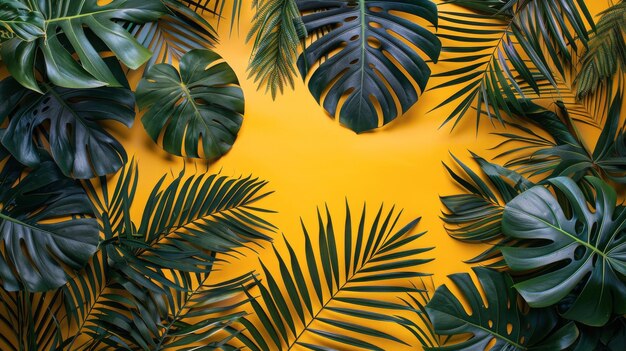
333 296
68 122
577 249
73 24
519 48
277 30
353 45
497 321
201 104
46 227
18 20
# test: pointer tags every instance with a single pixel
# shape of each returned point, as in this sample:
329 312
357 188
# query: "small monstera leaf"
17 20
203 104
499 321
46 226
68 122
362 58
578 255
81 25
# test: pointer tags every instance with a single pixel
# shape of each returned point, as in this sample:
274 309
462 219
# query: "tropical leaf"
68 122
498 323
17 20
336 299
174 34
365 55
75 23
476 215
606 55
217 7
46 218
277 30
567 154
576 253
28 321
516 45
148 278
201 104
610 337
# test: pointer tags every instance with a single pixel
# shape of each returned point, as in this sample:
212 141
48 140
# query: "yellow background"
310 160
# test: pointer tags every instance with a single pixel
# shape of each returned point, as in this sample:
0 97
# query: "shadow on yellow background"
310 160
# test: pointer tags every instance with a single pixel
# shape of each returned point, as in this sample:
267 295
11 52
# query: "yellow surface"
310 160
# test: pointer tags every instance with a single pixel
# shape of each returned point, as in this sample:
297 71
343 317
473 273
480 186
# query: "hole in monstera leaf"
579 252
45 109
355 37
376 9
375 25
522 340
509 328
374 42
354 62
350 19
490 323
579 227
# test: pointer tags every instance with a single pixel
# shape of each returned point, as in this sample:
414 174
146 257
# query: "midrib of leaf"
491 332
363 48
29 226
69 18
65 106
192 102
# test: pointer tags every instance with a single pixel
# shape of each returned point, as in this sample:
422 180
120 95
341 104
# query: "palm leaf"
366 57
82 26
567 153
217 7
28 321
329 297
476 215
202 103
174 34
147 279
45 217
606 55
277 30
499 322
516 45
571 254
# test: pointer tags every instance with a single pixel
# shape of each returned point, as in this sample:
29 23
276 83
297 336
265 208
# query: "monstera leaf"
577 254
69 22
17 20
498 322
365 53
201 104
70 123
46 226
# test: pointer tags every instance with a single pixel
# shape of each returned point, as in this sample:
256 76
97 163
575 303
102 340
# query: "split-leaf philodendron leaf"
46 226
74 23
362 58
17 20
68 122
578 255
201 104
499 321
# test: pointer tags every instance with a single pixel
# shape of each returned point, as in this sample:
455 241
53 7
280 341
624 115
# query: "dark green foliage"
361 70
500 317
202 102
336 299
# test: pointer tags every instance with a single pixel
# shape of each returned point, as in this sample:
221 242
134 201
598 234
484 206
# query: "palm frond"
217 7
476 215
174 34
606 55
334 299
277 30
28 321
148 278
517 45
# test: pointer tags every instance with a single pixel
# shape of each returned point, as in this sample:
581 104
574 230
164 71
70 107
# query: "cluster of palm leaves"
79 273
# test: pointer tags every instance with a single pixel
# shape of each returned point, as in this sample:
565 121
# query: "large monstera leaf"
362 58
69 122
46 226
76 23
577 254
498 323
201 104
